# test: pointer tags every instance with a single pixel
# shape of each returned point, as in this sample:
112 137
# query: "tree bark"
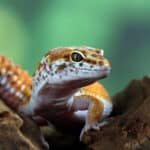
18 132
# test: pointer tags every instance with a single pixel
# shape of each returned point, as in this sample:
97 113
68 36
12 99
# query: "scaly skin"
15 84
64 88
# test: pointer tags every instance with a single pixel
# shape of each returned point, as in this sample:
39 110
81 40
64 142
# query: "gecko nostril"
101 63
80 64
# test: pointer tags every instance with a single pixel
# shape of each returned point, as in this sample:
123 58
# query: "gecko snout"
106 67
106 63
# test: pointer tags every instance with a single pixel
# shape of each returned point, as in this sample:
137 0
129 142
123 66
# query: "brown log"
18 133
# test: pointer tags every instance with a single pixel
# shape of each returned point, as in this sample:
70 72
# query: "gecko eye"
77 57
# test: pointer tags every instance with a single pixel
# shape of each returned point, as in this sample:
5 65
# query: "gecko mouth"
106 69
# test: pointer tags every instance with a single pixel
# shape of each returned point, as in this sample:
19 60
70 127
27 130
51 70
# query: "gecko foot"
45 144
95 126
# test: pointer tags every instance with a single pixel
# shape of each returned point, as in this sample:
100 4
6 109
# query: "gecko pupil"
76 57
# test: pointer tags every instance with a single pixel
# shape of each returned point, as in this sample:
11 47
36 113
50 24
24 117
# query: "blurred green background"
29 28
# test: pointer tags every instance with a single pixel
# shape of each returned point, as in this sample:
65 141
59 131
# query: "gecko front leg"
97 112
93 116
93 104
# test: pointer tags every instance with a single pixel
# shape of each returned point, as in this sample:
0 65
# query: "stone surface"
18 133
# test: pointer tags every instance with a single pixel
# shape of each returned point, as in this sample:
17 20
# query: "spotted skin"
15 84
63 89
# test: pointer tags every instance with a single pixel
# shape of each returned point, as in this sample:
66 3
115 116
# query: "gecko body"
63 89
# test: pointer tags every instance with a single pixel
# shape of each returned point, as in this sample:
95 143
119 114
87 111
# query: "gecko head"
81 65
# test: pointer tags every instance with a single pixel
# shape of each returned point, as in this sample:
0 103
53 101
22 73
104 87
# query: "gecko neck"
53 97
